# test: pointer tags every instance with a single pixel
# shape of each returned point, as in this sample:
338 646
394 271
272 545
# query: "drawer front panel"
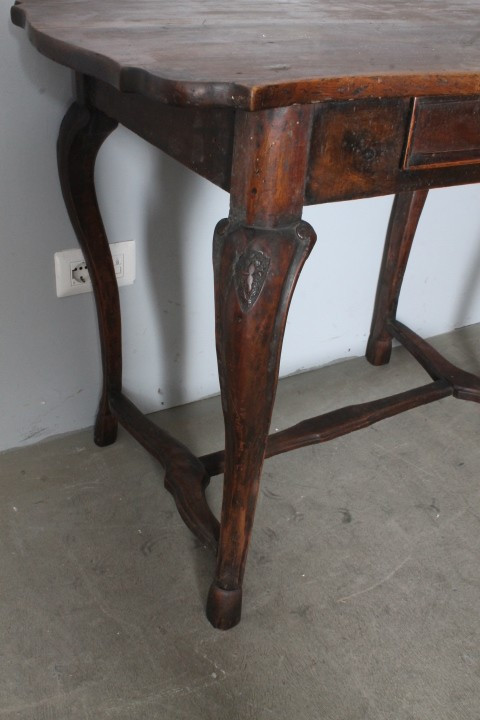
443 133
357 148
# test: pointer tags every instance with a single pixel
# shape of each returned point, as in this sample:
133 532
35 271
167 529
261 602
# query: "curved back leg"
82 133
406 211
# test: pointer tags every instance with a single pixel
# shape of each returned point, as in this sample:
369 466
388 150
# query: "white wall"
49 357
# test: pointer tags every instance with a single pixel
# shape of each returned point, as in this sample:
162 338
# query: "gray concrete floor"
362 592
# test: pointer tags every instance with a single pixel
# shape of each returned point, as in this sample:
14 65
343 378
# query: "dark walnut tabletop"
262 54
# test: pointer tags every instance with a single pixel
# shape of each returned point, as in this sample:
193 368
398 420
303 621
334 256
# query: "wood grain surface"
256 55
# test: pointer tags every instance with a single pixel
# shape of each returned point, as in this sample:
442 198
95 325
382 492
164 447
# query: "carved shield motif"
250 275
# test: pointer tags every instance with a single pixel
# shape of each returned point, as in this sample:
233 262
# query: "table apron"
358 149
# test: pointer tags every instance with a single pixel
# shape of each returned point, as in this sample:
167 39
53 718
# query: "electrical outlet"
71 271
79 273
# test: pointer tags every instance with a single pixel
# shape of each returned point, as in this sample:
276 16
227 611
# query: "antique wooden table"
283 104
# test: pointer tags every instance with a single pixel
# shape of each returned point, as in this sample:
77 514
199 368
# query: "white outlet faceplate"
66 262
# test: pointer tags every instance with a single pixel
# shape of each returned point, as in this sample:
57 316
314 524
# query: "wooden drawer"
357 148
443 132
365 148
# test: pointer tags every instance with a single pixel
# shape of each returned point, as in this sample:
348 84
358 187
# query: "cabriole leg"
258 255
406 211
255 274
82 133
